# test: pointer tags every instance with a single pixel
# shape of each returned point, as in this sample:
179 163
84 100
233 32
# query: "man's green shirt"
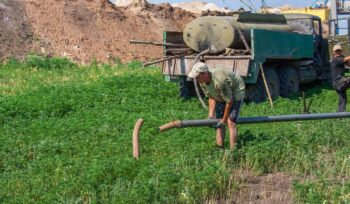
224 86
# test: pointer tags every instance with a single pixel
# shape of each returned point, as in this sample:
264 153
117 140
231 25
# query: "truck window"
317 27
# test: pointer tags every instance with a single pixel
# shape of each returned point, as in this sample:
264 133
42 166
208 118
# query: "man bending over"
226 92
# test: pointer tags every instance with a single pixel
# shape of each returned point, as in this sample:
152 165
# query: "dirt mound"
199 7
16 36
129 2
286 7
86 29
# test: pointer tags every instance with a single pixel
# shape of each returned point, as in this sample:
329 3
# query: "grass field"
65 136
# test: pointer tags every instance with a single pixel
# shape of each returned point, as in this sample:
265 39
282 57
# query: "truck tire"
273 83
253 93
289 81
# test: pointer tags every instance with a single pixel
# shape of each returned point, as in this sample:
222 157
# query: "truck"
288 48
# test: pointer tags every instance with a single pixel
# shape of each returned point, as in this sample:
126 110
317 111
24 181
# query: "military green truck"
289 49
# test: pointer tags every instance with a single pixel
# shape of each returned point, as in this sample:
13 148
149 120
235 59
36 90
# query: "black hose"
259 119
195 81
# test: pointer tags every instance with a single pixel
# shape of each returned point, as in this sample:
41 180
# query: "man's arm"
346 59
226 94
227 111
211 105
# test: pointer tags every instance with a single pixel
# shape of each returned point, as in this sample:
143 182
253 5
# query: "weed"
65 136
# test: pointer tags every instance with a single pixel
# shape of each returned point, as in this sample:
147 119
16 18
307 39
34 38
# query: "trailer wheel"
289 81
253 94
186 89
273 83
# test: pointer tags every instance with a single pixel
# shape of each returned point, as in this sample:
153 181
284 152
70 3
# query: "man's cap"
197 69
337 47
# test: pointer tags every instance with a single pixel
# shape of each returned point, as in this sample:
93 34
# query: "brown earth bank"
268 189
273 188
16 34
84 30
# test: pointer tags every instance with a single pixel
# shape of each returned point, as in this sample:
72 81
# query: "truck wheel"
253 94
273 83
289 81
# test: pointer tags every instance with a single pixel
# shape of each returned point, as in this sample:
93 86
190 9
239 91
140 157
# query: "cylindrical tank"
220 32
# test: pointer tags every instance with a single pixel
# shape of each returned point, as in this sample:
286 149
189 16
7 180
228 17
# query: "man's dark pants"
341 85
234 112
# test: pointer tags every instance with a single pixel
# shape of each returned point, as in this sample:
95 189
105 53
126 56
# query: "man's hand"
221 124
227 111
210 118
224 121
346 59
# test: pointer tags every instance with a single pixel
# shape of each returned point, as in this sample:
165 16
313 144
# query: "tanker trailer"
218 33
290 48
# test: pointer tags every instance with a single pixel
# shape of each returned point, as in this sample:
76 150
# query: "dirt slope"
85 29
16 35
199 6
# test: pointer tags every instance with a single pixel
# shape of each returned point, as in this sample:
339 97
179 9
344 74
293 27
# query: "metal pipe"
334 15
159 61
163 60
285 118
252 120
145 42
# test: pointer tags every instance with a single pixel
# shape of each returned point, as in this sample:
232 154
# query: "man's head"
201 72
337 49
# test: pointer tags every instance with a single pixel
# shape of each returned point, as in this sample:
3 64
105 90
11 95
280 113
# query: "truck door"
317 33
321 52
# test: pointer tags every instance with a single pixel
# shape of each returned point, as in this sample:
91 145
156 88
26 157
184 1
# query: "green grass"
65 136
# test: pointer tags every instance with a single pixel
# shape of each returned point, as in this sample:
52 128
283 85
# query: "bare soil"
16 35
84 30
268 189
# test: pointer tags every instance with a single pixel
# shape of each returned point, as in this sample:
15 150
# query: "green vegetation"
65 136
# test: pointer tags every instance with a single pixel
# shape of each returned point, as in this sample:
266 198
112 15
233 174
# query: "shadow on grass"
248 137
